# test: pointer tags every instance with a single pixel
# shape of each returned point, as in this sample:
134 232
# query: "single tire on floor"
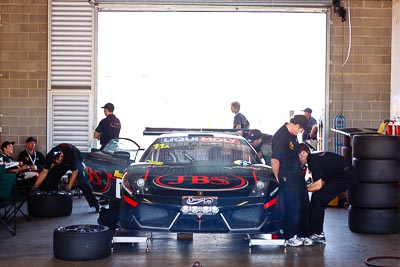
50 204
82 242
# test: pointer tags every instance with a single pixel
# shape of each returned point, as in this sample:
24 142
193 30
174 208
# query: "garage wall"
23 71
359 90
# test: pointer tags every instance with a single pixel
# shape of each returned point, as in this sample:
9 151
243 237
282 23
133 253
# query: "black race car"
191 182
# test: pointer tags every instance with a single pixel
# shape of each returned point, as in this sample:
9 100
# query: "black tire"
376 146
374 221
346 153
82 242
374 196
50 204
377 170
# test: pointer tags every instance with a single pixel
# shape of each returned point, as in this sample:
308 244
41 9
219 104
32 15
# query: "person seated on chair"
12 166
60 159
31 157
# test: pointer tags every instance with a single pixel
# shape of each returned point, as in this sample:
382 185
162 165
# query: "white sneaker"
318 238
294 241
306 241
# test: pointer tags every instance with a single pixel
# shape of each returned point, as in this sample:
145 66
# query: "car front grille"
245 218
147 216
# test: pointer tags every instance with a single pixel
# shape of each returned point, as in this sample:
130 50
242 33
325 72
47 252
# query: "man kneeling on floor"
332 175
58 161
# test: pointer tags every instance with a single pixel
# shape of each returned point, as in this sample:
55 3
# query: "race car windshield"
189 151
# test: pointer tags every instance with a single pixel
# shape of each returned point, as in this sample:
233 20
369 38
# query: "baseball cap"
6 143
309 110
30 139
54 154
300 119
254 135
109 106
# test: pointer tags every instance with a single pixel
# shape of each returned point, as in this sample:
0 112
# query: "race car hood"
163 179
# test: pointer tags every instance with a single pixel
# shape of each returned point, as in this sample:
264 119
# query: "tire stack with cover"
374 199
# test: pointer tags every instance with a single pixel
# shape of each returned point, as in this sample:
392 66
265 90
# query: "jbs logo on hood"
199 182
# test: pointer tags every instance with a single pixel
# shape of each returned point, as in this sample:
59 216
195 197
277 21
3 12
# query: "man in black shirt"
287 170
31 157
332 174
58 161
109 127
261 143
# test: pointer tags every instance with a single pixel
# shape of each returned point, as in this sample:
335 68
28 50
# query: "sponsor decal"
100 180
118 174
154 162
160 146
204 139
199 200
274 192
201 182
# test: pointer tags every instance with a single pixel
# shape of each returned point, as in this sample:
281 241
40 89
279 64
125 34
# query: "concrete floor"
33 246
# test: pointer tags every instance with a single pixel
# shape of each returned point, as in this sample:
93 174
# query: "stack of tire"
374 200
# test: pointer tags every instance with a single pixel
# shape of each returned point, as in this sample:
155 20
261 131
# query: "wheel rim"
86 228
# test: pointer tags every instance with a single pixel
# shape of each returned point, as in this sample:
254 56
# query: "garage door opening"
183 69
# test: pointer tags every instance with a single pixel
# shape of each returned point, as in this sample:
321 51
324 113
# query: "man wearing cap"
332 174
109 127
311 132
293 190
12 166
60 159
31 157
261 143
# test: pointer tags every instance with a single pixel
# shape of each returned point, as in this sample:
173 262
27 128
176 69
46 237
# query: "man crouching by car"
62 158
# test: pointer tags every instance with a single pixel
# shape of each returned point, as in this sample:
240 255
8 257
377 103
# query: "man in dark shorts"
293 190
109 127
60 159
332 174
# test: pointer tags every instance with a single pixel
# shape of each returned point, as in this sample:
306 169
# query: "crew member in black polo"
332 174
109 127
60 159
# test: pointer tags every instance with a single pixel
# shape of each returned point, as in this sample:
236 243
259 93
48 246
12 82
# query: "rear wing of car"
159 131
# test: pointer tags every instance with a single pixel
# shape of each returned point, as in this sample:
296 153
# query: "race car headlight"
259 188
260 185
135 186
141 183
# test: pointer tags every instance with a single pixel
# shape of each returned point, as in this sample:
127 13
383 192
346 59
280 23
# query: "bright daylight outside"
183 69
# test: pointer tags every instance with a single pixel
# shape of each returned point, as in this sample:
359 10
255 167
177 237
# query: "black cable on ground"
368 260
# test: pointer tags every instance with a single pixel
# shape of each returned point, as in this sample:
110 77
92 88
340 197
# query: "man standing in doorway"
311 132
239 120
109 127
